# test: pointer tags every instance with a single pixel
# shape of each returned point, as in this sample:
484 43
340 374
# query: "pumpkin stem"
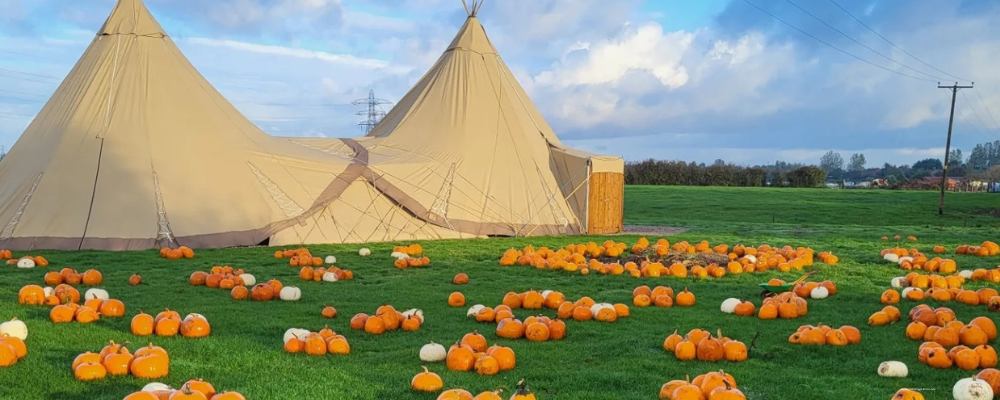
425 369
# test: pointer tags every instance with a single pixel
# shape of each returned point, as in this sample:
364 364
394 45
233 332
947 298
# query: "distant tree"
719 161
857 164
979 160
928 164
956 158
831 161
807 177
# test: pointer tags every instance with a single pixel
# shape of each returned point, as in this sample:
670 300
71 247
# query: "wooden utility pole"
947 148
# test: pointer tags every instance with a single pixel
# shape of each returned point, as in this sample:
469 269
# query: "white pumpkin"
329 277
598 306
891 257
49 291
95 293
364 252
156 386
892 369
965 273
301 334
972 389
290 293
331 260
414 312
248 280
729 305
195 315
908 290
433 352
26 263
545 294
14 328
899 282
398 254
751 258
905 259
819 292
474 310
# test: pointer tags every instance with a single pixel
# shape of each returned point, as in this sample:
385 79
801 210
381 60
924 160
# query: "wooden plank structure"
606 203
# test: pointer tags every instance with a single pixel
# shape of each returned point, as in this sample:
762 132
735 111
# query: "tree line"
679 173
983 163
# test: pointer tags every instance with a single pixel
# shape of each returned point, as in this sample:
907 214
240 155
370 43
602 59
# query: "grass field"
621 360
709 206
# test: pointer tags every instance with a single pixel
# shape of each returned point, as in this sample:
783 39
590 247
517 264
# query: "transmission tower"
374 112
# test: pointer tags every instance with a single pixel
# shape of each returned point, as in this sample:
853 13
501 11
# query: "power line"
891 43
18 78
835 47
29 74
973 108
20 99
966 120
862 44
21 94
990 113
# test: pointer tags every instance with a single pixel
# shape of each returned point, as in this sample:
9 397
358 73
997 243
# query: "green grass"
623 360
687 205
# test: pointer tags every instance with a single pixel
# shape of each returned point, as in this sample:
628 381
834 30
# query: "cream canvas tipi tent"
136 150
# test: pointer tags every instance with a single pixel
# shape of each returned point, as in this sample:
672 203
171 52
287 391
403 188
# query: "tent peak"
131 17
472 9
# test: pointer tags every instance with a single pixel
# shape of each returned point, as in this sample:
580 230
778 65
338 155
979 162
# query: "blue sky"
672 79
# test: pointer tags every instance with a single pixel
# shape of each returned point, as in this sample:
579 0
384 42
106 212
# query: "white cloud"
343 59
647 48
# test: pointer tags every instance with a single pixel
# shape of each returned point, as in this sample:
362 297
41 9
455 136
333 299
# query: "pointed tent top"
473 10
131 17
472 37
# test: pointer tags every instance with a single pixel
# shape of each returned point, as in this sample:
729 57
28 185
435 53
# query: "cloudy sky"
670 79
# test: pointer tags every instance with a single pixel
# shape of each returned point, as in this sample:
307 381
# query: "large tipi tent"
467 150
136 150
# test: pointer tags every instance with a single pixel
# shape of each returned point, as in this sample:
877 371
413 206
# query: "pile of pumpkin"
913 259
34 295
321 274
814 290
940 330
661 296
471 354
12 336
169 323
70 276
699 344
584 258
326 341
787 305
97 305
115 359
176 254
919 281
191 390
411 256
983 296
25 262
985 249
713 385
386 318
6 254
823 334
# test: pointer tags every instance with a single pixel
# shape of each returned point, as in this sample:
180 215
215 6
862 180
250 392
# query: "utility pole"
947 148
374 113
